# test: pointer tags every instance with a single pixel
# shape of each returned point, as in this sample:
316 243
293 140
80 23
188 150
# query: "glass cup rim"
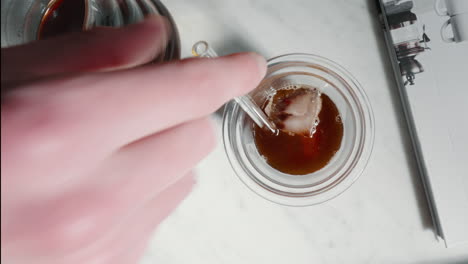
353 170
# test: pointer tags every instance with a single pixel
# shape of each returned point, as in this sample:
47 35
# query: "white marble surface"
382 218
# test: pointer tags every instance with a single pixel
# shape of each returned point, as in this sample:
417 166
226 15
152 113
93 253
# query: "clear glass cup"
21 19
345 166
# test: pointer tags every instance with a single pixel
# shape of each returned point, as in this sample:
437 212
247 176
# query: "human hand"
96 153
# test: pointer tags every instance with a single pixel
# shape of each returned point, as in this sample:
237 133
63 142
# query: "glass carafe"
21 20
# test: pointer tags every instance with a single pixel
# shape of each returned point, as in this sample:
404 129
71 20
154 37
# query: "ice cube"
295 111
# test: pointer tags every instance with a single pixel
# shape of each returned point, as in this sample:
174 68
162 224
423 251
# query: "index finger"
115 108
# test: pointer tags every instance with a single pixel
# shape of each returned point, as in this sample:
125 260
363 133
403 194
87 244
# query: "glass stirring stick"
203 50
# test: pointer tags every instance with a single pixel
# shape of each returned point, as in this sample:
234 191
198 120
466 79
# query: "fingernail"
159 25
261 62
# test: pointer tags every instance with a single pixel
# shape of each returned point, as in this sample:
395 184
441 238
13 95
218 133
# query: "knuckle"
62 225
46 132
78 223
32 126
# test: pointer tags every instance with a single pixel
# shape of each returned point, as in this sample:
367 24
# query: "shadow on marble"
409 154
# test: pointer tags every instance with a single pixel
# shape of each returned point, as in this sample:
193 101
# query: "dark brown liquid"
62 16
298 154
